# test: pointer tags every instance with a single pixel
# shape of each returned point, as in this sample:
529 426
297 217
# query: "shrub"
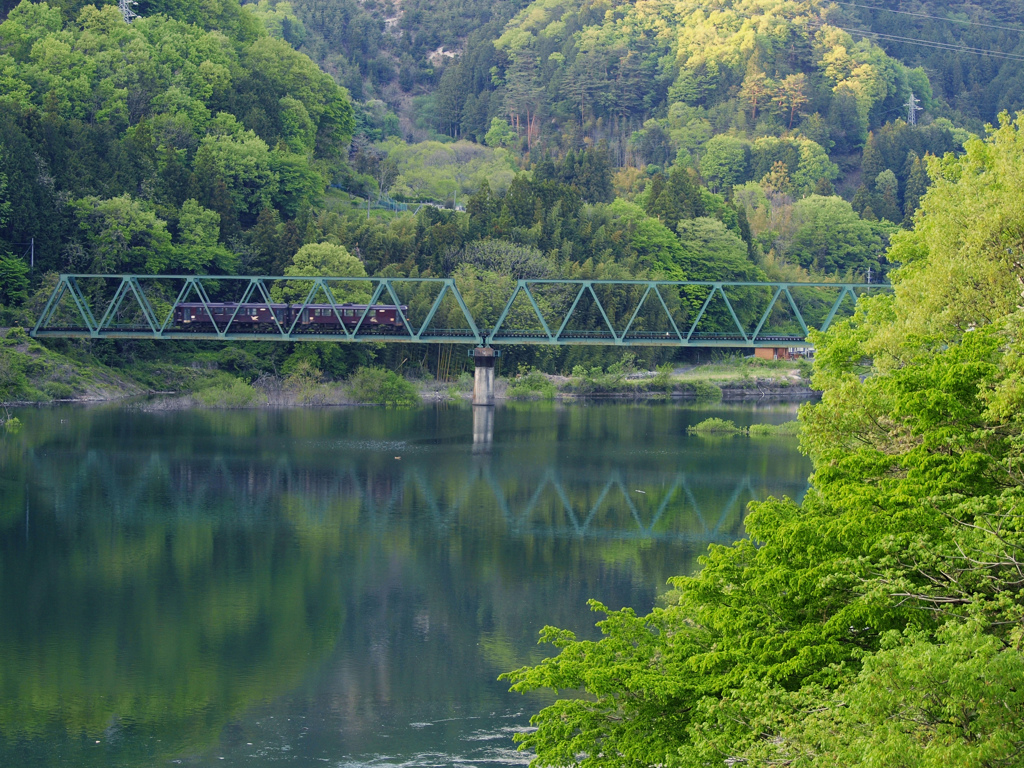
304 382
787 429
58 390
235 394
381 387
532 386
663 379
716 426
13 382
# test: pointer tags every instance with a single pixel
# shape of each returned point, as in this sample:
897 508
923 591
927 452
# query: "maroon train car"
324 314
310 316
220 313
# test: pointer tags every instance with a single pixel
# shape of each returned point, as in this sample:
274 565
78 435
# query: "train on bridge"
198 316
669 313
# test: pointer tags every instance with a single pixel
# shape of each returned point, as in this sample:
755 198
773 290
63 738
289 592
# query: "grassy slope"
29 372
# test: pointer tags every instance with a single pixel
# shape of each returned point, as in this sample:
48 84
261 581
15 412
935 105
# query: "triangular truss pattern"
320 293
846 292
781 295
582 522
717 290
672 335
604 331
615 312
67 288
499 330
130 289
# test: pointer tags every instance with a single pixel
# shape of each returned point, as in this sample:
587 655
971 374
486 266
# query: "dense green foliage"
694 140
879 621
382 387
139 147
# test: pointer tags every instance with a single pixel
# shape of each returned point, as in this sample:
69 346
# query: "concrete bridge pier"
483 382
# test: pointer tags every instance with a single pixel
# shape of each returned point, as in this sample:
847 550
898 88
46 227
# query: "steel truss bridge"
435 310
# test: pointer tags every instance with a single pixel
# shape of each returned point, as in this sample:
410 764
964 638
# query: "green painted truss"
435 310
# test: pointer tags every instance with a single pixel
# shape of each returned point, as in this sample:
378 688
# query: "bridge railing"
433 310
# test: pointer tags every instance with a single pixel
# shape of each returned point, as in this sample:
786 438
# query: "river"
335 587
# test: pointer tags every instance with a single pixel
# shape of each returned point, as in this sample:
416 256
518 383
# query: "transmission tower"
126 10
912 110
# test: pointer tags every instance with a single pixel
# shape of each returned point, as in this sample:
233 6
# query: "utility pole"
869 274
30 252
912 110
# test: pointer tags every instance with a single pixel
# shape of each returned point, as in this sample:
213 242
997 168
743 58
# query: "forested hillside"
694 139
878 622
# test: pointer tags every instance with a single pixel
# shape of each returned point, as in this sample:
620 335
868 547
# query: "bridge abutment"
483 381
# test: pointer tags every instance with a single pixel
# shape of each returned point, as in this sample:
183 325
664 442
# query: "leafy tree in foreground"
323 260
880 621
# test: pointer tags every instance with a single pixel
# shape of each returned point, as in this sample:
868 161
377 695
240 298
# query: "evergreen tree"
481 210
756 90
917 185
680 198
871 163
861 199
265 244
887 205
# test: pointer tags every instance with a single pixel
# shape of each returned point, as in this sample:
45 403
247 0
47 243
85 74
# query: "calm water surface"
339 587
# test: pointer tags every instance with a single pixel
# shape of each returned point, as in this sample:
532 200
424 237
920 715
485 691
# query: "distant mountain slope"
598 69
936 35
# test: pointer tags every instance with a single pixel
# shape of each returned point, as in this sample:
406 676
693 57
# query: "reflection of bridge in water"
677 506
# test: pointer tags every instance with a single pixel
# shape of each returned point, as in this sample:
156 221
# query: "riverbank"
35 373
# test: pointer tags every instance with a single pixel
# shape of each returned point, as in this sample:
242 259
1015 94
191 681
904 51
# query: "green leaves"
635 707
879 621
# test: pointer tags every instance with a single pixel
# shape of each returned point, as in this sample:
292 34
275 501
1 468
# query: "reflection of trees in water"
171 584
148 638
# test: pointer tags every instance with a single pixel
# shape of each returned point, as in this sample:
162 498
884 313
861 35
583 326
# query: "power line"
954 47
927 16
